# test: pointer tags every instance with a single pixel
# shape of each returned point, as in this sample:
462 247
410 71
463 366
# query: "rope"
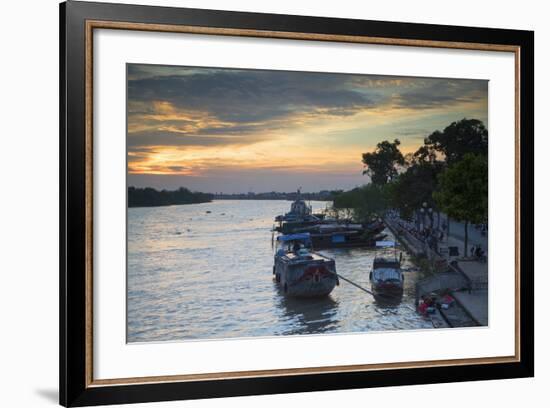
355 284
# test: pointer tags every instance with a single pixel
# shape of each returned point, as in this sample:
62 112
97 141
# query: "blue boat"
386 276
300 271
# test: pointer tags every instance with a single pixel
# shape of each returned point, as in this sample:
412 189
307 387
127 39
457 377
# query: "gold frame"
100 24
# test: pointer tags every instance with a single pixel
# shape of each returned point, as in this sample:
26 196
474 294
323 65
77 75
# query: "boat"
299 216
344 235
386 276
300 271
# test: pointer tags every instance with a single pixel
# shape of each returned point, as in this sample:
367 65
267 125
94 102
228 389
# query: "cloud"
437 93
174 138
185 120
252 96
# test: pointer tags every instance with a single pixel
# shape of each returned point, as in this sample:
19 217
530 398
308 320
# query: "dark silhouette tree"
382 164
149 197
458 139
368 201
416 186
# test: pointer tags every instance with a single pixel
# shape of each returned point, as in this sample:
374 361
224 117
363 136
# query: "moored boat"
300 271
343 235
386 276
299 216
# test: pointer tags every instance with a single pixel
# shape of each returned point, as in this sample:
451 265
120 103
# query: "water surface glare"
198 275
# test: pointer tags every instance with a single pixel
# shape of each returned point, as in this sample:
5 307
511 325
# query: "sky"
238 131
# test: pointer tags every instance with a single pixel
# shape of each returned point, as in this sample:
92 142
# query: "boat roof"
385 244
312 256
386 263
304 236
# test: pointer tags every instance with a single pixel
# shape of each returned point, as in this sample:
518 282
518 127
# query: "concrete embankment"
470 309
412 245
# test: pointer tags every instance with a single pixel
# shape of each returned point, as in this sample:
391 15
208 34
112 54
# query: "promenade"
455 235
476 303
474 299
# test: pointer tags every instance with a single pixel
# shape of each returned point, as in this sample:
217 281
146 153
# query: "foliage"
463 190
418 183
366 201
458 139
149 197
415 186
382 164
448 172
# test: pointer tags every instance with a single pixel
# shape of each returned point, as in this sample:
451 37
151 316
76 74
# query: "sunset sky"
235 131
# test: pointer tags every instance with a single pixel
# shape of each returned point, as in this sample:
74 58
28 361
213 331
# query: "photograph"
268 203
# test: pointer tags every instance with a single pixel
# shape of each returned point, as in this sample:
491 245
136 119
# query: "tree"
463 191
366 202
149 197
415 186
458 139
381 165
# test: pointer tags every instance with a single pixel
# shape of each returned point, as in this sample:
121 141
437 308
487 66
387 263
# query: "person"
479 252
296 247
472 249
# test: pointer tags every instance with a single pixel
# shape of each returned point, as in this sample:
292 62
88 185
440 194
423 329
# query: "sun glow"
245 121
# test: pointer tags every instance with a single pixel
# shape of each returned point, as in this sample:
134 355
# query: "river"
199 275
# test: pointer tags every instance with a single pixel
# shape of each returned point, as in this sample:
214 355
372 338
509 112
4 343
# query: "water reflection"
389 302
198 275
309 316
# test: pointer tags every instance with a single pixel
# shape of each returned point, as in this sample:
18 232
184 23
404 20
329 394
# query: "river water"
199 275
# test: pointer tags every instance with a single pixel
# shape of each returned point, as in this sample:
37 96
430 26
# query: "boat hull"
306 279
387 290
324 241
387 278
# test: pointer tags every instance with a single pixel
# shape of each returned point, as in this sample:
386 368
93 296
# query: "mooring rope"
355 284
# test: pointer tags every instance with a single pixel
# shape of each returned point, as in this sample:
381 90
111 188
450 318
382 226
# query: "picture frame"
79 21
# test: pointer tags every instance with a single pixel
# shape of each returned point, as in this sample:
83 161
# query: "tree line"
149 197
448 173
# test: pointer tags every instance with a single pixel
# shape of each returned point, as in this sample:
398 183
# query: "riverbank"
149 197
465 280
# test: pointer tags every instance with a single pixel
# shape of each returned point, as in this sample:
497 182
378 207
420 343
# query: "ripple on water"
193 275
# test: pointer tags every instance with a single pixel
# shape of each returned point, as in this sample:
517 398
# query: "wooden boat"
344 235
299 216
300 271
386 276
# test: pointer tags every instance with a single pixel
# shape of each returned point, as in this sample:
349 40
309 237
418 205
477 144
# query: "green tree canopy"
382 164
463 191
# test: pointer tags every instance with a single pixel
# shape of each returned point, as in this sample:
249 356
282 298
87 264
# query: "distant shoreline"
149 197
267 199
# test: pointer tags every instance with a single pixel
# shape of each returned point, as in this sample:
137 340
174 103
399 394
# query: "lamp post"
425 210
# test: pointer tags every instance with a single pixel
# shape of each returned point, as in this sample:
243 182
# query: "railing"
446 276
413 244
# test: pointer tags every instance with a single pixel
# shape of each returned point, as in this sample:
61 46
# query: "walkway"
476 301
476 271
476 304
456 235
